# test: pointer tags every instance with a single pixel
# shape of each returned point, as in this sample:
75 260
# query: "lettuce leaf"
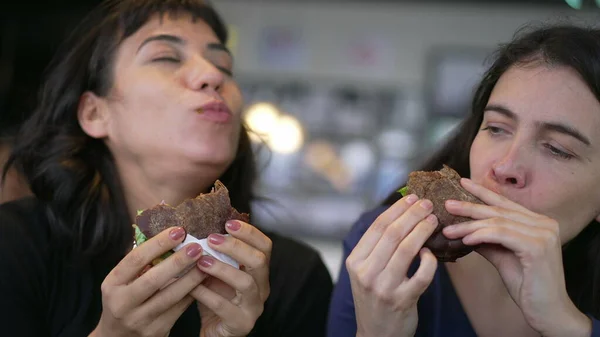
403 191
141 238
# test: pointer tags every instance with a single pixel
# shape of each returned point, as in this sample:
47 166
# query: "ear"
93 115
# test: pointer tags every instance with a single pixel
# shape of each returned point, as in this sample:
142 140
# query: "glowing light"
261 118
287 136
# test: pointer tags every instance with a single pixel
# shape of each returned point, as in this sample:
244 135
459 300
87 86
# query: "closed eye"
225 71
166 59
494 130
554 151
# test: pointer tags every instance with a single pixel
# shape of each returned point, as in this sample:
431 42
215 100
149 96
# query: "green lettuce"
403 191
141 238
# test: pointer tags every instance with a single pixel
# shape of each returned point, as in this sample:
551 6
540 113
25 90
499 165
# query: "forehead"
182 25
549 94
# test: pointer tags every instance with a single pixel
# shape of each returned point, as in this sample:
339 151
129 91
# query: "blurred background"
345 97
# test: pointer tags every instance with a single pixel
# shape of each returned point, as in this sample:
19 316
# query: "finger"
494 254
397 267
250 235
134 262
508 238
160 303
490 197
239 280
423 277
216 303
220 287
466 228
368 241
239 250
255 262
479 211
168 318
158 276
396 233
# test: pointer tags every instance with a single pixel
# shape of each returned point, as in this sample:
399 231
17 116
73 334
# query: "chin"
212 158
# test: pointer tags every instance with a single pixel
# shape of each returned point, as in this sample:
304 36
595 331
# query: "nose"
204 76
510 170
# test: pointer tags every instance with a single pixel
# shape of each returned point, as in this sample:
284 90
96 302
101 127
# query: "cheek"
233 98
142 93
479 158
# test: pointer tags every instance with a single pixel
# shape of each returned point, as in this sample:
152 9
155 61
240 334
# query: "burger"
439 186
201 216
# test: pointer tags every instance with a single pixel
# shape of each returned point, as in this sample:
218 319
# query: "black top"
42 293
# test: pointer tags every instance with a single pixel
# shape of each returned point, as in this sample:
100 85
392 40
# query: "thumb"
492 253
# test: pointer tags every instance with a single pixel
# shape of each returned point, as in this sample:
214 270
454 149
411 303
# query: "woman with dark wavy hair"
138 106
531 147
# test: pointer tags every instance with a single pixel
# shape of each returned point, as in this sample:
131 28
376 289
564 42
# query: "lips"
216 111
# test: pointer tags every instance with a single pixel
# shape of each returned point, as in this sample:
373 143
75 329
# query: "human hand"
526 250
149 305
231 300
385 298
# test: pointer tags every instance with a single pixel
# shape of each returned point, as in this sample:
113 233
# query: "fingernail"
467 180
449 229
452 203
426 204
431 218
206 261
411 199
216 239
193 250
233 225
177 233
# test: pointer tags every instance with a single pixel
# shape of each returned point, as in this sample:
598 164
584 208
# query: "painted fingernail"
426 204
216 239
233 225
411 199
177 233
206 261
193 250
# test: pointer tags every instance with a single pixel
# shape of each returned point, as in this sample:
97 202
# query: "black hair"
73 174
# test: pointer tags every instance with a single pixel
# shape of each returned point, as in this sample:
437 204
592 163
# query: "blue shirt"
445 315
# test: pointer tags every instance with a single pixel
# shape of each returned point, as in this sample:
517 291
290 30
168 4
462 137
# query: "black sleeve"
22 268
301 288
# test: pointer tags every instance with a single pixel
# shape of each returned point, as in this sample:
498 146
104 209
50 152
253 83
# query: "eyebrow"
549 126
218 46
162 37
177 40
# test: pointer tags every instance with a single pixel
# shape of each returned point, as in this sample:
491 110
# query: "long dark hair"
74 175
577 48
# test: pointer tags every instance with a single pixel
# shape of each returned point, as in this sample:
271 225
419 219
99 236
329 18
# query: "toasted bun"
439 186
200 216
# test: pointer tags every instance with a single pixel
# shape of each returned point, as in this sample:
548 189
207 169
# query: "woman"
140 106
534 159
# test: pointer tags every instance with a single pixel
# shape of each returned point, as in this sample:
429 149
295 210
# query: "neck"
144 189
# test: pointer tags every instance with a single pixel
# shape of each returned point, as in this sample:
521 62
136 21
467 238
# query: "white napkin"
206 250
